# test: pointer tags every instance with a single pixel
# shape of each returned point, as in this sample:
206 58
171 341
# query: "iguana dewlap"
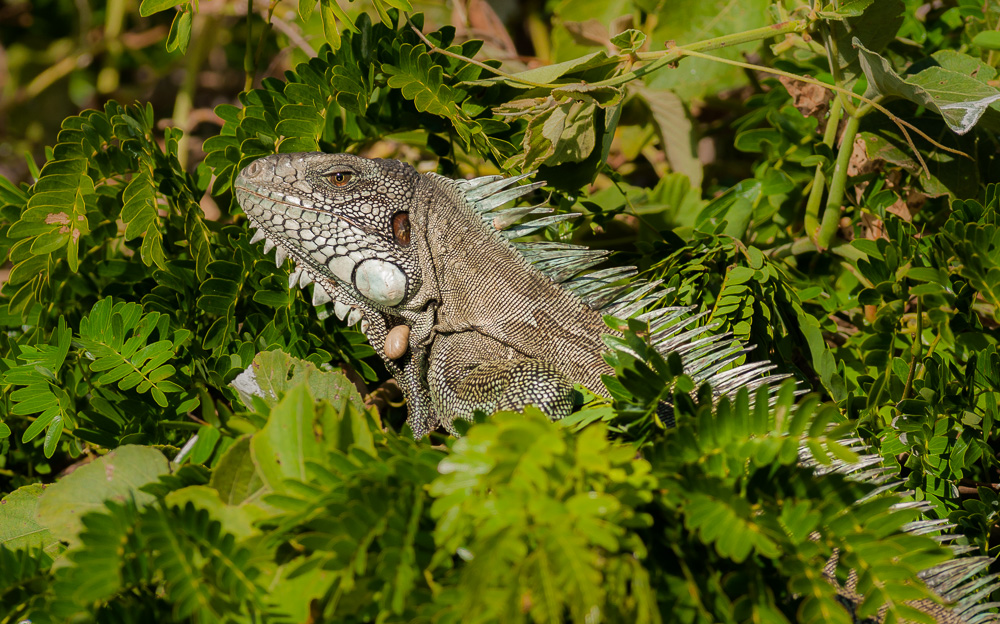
465 317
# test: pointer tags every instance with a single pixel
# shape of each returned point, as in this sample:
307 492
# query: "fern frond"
40 391
110 557
530 510
733 475
421 80
356 511
207 574
115 336
141 218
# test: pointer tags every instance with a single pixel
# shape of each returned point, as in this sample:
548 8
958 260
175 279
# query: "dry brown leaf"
905 209
811 100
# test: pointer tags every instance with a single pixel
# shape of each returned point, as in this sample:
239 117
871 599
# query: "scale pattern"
470 317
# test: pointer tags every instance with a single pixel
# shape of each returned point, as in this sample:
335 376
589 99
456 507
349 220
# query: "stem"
493 70
656 60
673 53
248 66
915 348
800 246
819 178
831 214
871 102
203 35
833 56
107 78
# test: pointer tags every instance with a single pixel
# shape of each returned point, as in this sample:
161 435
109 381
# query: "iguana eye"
401 228
341 178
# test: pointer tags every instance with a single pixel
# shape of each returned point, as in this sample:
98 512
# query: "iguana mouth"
287 200
304 274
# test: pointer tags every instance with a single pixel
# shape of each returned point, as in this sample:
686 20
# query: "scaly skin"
487 331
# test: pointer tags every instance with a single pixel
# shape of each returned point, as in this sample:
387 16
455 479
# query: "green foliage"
546 523
853 241
520 520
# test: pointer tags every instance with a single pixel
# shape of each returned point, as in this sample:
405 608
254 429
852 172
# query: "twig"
494 70
835 88
915 350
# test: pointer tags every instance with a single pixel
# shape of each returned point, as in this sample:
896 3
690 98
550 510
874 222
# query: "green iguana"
468 318
464 318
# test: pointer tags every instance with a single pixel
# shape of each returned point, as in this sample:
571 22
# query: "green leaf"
115 476
299 431
235 476
846 9
111 333
306 8
234 520
560 133
987 40
274 373
420 80
180 31
961 100
149 7
875 28
629 41
694 21
19 528
331 13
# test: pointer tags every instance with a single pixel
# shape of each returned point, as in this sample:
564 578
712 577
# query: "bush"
826 197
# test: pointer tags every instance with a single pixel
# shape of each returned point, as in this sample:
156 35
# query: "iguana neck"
486 286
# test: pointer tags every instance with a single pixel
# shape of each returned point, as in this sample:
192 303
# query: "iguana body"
468 320
490 324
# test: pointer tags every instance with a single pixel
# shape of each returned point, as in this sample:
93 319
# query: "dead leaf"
860 164
811 100
905 209
872 227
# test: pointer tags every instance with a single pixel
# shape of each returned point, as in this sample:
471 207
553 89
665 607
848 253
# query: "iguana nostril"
251 170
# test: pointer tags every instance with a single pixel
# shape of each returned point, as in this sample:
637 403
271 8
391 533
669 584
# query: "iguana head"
341 216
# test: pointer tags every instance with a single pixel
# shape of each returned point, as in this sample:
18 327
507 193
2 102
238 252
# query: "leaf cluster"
319 514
